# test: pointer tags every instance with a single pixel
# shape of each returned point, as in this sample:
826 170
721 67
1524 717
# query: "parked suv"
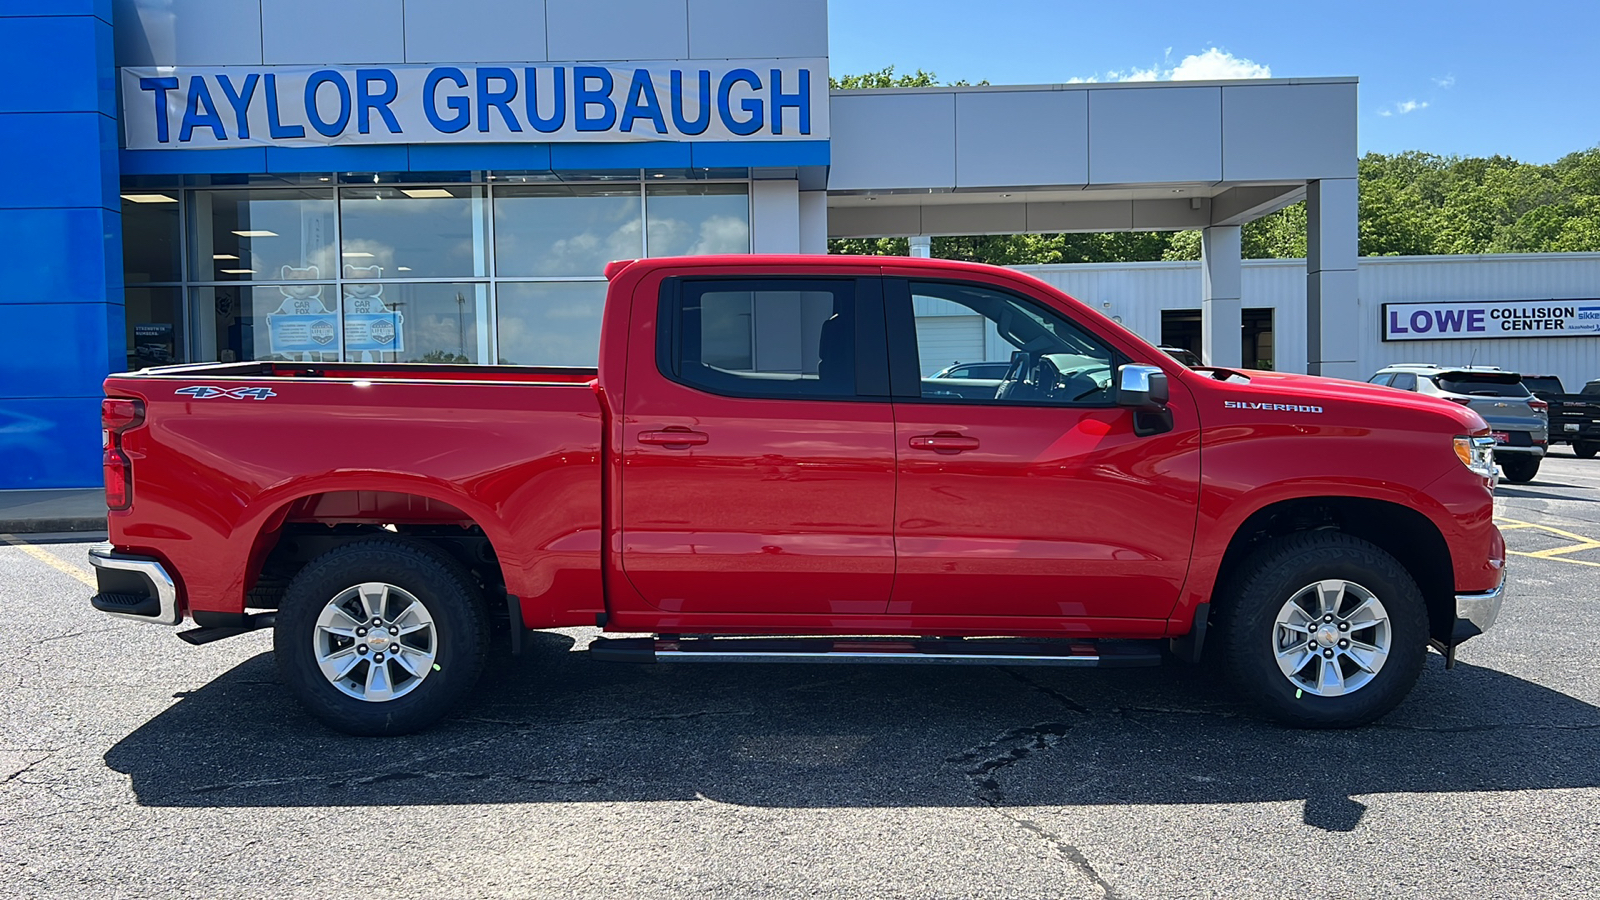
1517 419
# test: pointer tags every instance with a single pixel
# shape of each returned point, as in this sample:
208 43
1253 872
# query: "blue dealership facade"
444 180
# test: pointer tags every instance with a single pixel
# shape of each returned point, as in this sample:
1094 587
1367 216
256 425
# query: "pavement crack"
1050 692
29 766
1004 751
1068 851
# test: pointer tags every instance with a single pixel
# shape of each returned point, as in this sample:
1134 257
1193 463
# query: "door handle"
944 443
674 438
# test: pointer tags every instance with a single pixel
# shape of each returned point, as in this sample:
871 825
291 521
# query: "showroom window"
508 270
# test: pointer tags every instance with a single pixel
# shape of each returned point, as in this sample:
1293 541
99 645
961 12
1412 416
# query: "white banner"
305 106
1491 319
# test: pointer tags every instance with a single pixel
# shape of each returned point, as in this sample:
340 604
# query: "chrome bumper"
1476 612
158 583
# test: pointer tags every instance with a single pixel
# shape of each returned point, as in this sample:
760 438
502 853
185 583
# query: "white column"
922 246
1333 317
1221 280
813 221
775 217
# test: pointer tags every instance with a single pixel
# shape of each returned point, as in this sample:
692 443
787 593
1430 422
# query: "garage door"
946 340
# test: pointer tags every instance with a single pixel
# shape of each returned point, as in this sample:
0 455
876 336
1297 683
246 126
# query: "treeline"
1412 204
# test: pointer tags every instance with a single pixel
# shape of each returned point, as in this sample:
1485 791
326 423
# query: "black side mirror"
1142 387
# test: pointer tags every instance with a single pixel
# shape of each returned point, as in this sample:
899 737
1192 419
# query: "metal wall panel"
1010 138
188 32
317 32
480 31
758 29
1288 131
617 29
866 126
1155 134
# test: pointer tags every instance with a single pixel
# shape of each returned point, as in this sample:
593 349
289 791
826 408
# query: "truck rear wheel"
380 637
1520 469
1323 630
1585 449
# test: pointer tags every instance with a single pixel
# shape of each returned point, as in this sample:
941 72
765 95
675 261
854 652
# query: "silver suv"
1516 418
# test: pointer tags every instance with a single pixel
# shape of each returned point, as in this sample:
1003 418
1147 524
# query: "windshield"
1548 384
1485 385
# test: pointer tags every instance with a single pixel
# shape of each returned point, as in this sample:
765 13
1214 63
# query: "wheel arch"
1404 533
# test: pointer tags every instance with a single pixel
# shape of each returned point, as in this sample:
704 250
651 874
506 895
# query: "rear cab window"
1486 384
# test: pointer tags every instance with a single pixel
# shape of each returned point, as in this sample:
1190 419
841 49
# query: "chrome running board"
935 651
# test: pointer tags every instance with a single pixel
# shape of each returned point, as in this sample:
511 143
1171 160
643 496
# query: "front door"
758 456
1030 494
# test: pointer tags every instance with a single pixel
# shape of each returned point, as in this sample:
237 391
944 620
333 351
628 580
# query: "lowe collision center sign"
1491 319
292 106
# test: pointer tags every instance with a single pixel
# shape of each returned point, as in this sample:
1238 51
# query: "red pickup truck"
762 468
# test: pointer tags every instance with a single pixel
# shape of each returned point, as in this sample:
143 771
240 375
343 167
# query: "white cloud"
1447 81
1410 106
1385 113
1211 65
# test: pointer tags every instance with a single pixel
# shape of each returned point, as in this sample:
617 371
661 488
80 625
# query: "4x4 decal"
244 393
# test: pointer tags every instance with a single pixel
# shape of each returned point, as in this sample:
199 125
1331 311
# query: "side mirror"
1142 387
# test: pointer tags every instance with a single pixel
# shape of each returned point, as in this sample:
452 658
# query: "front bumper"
1475 613
133 587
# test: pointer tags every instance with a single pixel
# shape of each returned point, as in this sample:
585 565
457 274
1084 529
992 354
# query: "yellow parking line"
49 559
1558 554
1576 562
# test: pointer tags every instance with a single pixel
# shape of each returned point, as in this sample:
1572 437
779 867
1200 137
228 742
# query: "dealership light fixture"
357 254
149 198
405 268
238 271
427 193
223 256
255 234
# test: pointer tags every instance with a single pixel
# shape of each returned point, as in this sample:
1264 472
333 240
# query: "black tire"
1266 582
1520 469
460 634
1585 449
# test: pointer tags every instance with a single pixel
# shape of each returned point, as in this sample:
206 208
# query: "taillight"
1538 405
118 415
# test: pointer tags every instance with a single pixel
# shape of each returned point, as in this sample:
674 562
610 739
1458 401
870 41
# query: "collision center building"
445 180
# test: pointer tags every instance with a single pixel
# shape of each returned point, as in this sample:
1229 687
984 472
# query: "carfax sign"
308 106
1491 319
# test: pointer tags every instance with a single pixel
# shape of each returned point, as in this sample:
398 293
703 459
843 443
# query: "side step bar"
944 651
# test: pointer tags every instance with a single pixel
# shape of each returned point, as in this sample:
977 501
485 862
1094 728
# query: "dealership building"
445 180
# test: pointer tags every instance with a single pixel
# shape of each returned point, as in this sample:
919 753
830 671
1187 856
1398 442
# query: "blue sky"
1468 77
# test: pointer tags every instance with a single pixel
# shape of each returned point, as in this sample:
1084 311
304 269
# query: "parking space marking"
1583 542
54 562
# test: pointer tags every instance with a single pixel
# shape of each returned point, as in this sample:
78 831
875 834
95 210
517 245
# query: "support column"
1221 293
61 315
922 246
775 216
813 221
1333 314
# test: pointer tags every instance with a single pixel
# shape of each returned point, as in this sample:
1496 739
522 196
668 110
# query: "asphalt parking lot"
134 765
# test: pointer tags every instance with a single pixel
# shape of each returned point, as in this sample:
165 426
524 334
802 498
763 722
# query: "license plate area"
1500 437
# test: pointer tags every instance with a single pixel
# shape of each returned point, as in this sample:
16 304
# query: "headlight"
1477 454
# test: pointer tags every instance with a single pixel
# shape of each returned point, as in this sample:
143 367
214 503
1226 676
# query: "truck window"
762 337
1382 378
1405 381
1545 383
1049 360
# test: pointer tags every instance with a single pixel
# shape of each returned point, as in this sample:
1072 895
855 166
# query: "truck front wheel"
1520 469
380 637
1585 449
1323 630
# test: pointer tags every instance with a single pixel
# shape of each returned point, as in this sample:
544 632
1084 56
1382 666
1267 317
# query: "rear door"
758 447
1036 499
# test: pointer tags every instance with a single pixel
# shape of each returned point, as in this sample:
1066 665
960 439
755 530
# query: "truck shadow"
556 726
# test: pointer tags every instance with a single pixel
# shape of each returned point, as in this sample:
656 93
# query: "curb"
61 525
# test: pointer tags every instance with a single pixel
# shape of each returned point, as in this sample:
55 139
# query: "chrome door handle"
674 439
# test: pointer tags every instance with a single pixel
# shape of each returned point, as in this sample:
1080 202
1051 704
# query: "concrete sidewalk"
52 512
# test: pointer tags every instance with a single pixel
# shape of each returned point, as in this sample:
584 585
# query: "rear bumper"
133 587
1507 450
1476 612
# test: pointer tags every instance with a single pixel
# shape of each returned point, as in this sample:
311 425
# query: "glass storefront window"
427 323
698 219
261 235
287 323
155 328
414 232
151 243
550 323
565 231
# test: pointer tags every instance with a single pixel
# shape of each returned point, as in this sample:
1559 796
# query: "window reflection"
698 219
287 323
261 235
550 323
547 231
426 323
155 328
420 232
150 238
